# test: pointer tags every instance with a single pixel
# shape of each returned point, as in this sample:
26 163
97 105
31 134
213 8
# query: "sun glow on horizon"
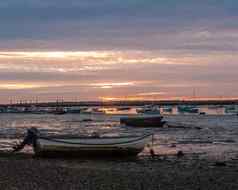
19 86
116 75
109 57
168 98
53 54
22 86
112 84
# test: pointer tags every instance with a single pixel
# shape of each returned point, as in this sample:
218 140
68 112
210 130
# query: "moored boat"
149 109
167 109
231 109
143 121
73 110
85 146
58 111
188 109
123 108
93 111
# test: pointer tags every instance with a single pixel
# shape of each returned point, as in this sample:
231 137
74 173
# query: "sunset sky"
114 49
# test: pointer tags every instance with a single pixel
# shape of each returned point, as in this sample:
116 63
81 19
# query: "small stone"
173 145
87 120
198 128
152 153
180 153
220 163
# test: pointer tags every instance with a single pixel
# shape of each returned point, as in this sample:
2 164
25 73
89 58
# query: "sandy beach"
209 144
24 172
142 94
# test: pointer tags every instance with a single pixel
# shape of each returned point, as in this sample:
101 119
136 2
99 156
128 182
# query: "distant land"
125 103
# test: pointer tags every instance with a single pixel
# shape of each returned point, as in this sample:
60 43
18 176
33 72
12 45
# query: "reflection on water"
117 111
212 111
201 109
214 134
209 110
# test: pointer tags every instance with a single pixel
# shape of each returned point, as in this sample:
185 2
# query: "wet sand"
22 171
209 144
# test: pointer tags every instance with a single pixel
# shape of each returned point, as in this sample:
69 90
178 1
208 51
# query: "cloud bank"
91 49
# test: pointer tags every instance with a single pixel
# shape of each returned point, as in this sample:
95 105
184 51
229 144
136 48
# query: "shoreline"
214 101
23 171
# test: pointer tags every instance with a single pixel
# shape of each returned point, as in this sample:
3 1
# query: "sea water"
213 135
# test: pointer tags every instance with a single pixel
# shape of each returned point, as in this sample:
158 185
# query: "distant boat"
58 111
39 112
123 108
2 110
167 109
93 111
215 106
84 146
231 109
11 109
188 109
149 109
143 121
73 110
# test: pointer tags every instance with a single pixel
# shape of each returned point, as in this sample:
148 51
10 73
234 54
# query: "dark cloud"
113 24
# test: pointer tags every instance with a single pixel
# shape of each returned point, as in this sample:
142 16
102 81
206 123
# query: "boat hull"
91 146
80 152
143 121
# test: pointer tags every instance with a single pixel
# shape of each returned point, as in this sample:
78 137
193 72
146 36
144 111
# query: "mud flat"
22 171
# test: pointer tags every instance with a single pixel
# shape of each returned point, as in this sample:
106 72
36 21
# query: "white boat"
149 109
187 109
231 109
93 111
168 109
85 146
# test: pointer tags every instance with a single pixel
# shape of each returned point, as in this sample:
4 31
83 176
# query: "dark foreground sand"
21 171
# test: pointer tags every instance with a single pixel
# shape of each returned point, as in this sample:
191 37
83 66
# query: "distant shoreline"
125 103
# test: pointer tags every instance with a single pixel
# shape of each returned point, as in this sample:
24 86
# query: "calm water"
213 135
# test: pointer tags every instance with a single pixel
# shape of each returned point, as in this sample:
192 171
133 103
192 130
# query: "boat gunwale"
143 117
55 136
93 144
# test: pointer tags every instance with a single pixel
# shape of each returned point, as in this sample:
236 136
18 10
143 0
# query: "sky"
113 49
